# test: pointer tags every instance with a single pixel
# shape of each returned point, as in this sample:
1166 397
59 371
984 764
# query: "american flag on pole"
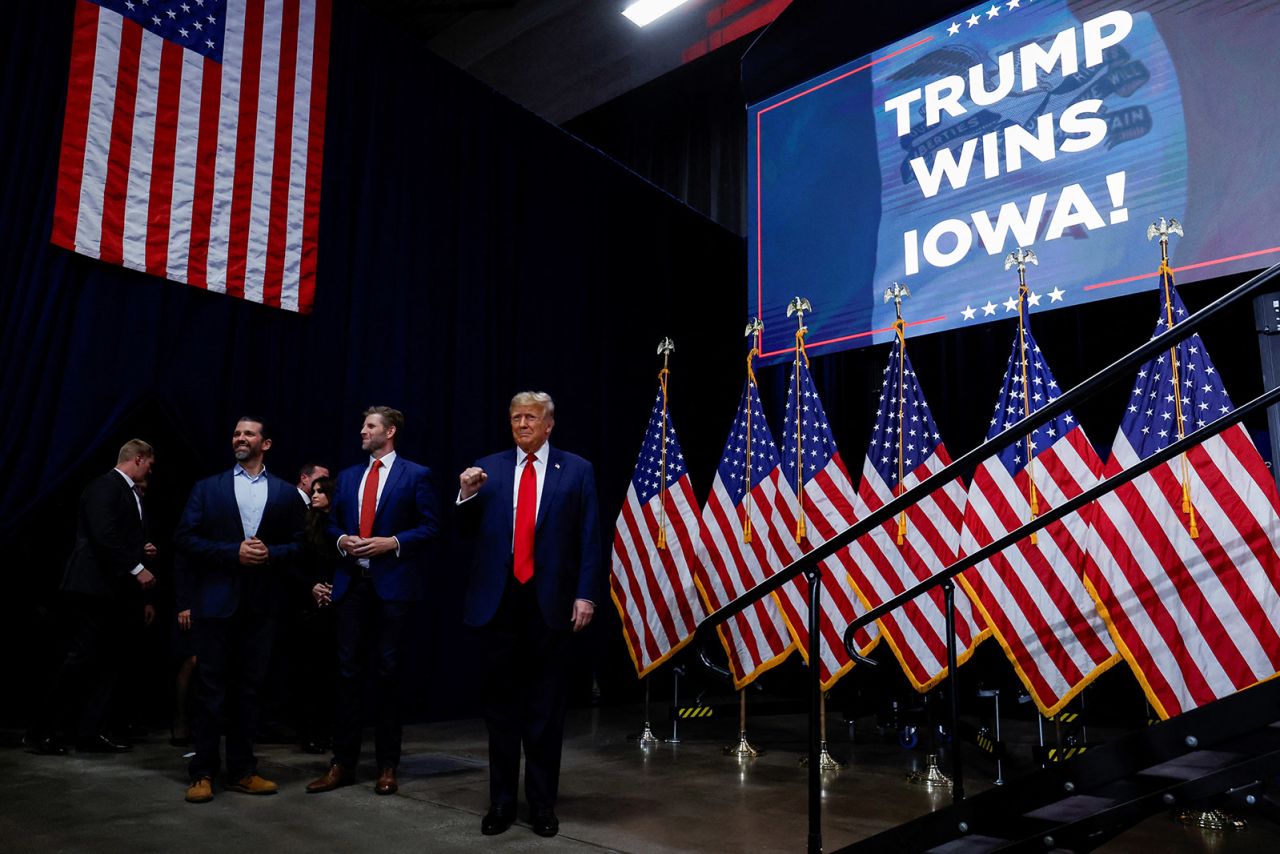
906 448
1032 594
652 582
811 462
191 144
1197 616
744 542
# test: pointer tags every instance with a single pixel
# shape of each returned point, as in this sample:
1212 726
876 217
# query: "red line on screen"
814 344
1183 269
847 73
760 209
759 241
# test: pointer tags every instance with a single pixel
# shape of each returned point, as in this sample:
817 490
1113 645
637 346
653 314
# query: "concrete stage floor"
614 797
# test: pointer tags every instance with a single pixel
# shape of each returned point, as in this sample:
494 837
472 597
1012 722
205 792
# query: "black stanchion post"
815 703
957 766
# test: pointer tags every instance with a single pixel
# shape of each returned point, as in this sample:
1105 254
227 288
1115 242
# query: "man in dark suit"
101 590
535 578
382 523
240 532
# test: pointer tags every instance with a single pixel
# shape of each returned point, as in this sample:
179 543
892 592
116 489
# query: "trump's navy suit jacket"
566 547
406 511
209 536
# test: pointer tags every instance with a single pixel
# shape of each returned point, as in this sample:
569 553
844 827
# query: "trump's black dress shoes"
498 819
545 822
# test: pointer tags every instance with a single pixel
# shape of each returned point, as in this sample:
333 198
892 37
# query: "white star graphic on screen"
1055 295
1013 4
1034 299
954 28
989 308
1011 304
973 21
993 12
968 311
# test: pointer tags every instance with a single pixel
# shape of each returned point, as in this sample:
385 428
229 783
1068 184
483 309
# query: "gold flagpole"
743 749
1020 258
898 292
798 306
1163 229
665 349
754 328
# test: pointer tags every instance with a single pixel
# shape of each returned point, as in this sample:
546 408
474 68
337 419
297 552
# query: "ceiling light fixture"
645 12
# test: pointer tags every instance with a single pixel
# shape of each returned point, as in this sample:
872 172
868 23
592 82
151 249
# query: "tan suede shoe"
254 785
200 791
334 778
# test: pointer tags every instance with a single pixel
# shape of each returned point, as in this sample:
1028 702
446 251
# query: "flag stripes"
194 169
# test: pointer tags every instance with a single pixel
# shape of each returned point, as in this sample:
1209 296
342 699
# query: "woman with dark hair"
317 633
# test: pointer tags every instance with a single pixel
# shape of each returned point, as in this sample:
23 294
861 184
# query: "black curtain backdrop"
468 250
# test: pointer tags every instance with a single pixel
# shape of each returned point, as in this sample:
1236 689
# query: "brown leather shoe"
200 791
387 784
335 778
254 785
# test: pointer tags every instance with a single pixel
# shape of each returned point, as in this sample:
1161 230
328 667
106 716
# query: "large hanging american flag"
192 142
905 449
743 541
811 462
652 581
1032 594
1197 616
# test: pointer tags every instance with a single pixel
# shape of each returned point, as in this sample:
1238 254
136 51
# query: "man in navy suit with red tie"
382 523
535 579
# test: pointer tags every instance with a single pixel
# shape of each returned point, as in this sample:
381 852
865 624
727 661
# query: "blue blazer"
406 511
209 537
566 549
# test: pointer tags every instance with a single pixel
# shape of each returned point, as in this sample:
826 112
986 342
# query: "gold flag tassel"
896 292
664 350
1020 257
755 327
798 306
1163 229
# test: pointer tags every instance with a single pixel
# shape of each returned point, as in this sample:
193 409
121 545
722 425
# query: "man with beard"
239 533
382 523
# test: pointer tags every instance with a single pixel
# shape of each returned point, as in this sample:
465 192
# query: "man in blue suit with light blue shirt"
535 578
382 523
239 536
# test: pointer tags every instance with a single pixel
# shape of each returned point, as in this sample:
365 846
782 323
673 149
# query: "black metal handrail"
811 563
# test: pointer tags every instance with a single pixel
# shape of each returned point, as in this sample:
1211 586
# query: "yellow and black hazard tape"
986 742
689 712
1060 754
1067 717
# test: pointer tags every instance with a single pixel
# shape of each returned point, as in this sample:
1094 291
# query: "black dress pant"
365 621
233 655
525 698
83 683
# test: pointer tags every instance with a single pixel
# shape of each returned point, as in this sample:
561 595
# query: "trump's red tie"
526 518
369 501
